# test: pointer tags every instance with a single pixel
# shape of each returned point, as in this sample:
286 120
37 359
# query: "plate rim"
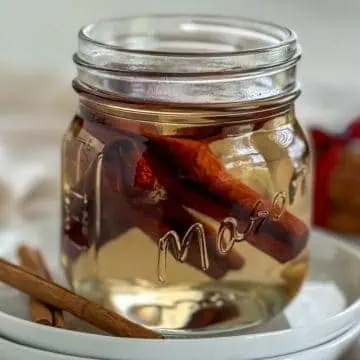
346 338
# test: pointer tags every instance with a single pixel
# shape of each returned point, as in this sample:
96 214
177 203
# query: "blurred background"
42 35
39 37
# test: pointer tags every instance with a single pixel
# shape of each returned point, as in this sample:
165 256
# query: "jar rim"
97 43
290 35
188 58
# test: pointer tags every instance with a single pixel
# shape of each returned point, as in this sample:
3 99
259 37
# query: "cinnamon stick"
161 217
224 195
39 312
197 159
59 297
283 248
58 316
33 260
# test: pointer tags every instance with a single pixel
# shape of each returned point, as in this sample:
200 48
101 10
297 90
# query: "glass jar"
186 176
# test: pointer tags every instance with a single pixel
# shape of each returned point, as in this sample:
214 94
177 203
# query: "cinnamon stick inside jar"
211 190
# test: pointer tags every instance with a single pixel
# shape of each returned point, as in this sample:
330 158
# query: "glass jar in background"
186 199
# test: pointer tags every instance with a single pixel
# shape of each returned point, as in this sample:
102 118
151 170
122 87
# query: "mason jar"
186 175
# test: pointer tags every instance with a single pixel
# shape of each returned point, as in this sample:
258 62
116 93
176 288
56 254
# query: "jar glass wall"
186 176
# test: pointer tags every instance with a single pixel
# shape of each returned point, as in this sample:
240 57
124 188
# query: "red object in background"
353 131
328 154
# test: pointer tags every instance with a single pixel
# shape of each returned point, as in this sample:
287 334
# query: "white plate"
329 351
332 350
327 306
13 351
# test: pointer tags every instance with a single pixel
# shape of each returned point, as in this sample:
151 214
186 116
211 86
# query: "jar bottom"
122 276
188 309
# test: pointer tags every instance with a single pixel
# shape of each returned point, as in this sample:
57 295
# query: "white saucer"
327 307
13 351
332 350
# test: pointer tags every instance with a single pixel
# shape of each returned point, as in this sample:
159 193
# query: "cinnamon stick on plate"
39 312
33 260
58 316
52 294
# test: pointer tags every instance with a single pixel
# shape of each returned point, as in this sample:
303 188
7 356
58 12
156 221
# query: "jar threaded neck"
188 59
